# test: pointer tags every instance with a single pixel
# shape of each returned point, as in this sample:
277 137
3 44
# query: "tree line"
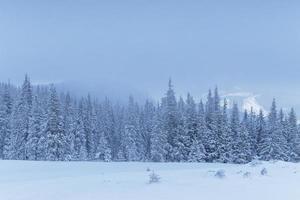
38 123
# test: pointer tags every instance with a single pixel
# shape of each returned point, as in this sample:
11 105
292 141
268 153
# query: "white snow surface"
26 180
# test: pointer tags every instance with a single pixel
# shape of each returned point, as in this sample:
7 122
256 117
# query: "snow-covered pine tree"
132 139
250 122
225 138
3 128
111 124
6 106
158 139
181 141
193 143
68 126
16 143
103 151
260 128
55 139
147 124
34 147
89 123
241 150
221 128
80 151
129 145
273 144
292 135
197 152
170 122
203 131
211 140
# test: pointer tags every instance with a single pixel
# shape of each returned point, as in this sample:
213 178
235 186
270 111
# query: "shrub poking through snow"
148 169
220 174
154 178
255 163
247 175
264 172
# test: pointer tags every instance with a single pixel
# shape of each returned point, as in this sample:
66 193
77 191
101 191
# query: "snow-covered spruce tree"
181 140
68 125
56 141
292 135
132 141
179 150
130 151
170 122
111 124
34 147
273 144
89 124
225 138
222 130
158 139
103 151
195 151
250 121
297 148
147 124
211 140
7 99
203 131
16 144
79 151
4 130
261 129
241 150
190 129
283 124
6 104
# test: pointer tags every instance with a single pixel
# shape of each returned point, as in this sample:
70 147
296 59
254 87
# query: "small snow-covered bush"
255 163
154 178
247 175
264 172
220 174
148 169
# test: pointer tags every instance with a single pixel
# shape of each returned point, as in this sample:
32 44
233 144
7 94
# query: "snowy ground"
21 180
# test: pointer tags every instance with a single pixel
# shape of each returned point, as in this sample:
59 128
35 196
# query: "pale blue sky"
245 46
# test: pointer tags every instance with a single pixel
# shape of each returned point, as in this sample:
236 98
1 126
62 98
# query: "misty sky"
136 45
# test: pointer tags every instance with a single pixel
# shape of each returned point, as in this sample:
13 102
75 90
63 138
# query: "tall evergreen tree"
34 149
292 135
194 149
211 122
80 151
241 151
103 151
170 122
55 138
16 144
6 106
68 126
225 137
273 144
147 127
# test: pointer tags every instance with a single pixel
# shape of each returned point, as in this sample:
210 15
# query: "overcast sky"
241 46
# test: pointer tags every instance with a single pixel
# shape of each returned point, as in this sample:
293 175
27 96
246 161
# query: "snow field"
26 180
